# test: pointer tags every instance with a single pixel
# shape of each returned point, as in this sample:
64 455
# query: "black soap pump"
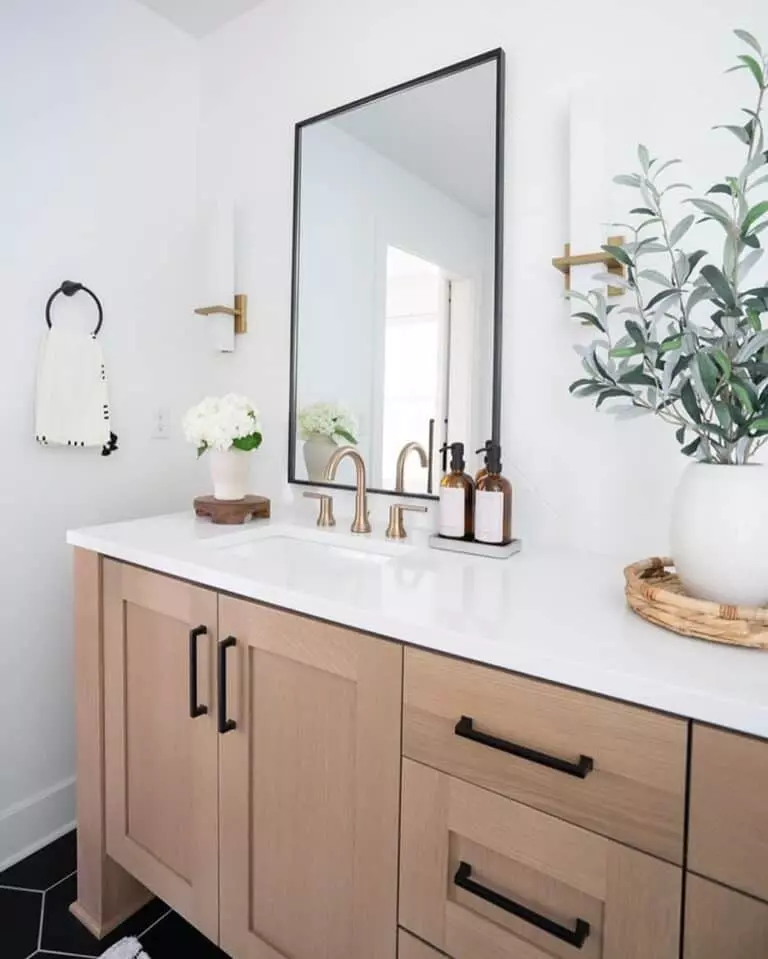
457 498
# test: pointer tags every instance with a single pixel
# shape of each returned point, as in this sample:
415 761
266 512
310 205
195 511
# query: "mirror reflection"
395 258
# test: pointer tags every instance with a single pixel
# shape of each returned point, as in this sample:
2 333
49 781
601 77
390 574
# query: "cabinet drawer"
729 815
409 947
484 877
618 770
721 923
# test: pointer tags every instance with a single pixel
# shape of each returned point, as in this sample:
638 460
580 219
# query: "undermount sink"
285 541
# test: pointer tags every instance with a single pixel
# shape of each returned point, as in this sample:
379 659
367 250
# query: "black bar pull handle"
465 728
226 725
574 937
195 708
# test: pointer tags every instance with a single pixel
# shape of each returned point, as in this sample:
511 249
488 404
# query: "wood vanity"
298 790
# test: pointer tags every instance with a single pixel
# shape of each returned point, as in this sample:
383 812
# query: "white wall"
355 203
98 127
579 478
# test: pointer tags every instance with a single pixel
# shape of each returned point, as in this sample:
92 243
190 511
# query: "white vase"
229 472
720 533
318 449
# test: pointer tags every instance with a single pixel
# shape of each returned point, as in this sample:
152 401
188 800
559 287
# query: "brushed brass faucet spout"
402 457
361 523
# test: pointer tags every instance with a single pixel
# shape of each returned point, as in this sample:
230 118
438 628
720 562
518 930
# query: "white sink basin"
284 542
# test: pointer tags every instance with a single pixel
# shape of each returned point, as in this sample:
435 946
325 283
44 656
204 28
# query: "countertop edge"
726 713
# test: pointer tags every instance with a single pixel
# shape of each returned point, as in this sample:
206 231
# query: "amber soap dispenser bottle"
493 502
457 498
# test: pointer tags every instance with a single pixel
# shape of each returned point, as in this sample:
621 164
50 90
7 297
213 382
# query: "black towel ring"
68 288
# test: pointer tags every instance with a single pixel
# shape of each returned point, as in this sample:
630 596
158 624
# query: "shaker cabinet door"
161 754
310 779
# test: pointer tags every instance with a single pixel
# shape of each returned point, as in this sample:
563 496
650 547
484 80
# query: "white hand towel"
72 396
125 949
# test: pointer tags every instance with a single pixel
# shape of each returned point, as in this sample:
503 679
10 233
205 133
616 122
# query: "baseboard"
31 824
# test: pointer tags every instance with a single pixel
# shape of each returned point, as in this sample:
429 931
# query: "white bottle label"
489 517
451 513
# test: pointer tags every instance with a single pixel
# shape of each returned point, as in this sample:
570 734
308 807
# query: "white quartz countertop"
552 615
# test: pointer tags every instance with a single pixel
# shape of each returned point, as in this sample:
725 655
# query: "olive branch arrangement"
691 347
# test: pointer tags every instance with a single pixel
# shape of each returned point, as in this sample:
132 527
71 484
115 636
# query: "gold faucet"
360 524
396 528
402 457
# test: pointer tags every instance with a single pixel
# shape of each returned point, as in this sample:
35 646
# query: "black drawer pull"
195 708
465 728
574 937
225 725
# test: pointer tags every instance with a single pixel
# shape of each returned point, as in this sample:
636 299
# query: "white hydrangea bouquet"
222 424
327 419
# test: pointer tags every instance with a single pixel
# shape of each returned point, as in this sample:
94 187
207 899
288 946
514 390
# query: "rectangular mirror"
397 278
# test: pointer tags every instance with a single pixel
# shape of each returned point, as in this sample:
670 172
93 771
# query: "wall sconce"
588 196
568 261
240 312
219 279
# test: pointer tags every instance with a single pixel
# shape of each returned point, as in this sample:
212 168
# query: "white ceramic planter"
229 472
720 533
318 449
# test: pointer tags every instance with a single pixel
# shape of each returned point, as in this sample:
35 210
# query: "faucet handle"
326 517
396 527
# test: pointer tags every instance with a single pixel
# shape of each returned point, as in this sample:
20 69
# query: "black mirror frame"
496 56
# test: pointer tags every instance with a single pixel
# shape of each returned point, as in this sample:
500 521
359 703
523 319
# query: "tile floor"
35 895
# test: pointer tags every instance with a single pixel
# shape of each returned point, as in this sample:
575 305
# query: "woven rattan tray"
654 592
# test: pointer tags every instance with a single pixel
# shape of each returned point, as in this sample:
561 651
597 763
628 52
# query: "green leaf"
627 179
621 352
664 295
690 402
759 425
719 283
681 229
654 276
721 188
579 383
665 166
691 448
694 259
643 211
601 369
756 213
610 394
680 365
644 156
671 343
636 377
723 361
739 132
345 435
749 39
680 434
752 241
635 332
247 443
620 254
743 396
585 391
754 68
710 375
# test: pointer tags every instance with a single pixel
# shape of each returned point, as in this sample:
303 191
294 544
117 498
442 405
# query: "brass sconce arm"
240 312
612 265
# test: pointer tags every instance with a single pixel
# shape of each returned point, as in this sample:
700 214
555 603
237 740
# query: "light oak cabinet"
298 790
483 877
613 768
162 765
729 810
723 924
310 787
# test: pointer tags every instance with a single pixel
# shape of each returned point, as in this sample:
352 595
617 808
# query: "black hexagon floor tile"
175 937
63 933
20 924
44 868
